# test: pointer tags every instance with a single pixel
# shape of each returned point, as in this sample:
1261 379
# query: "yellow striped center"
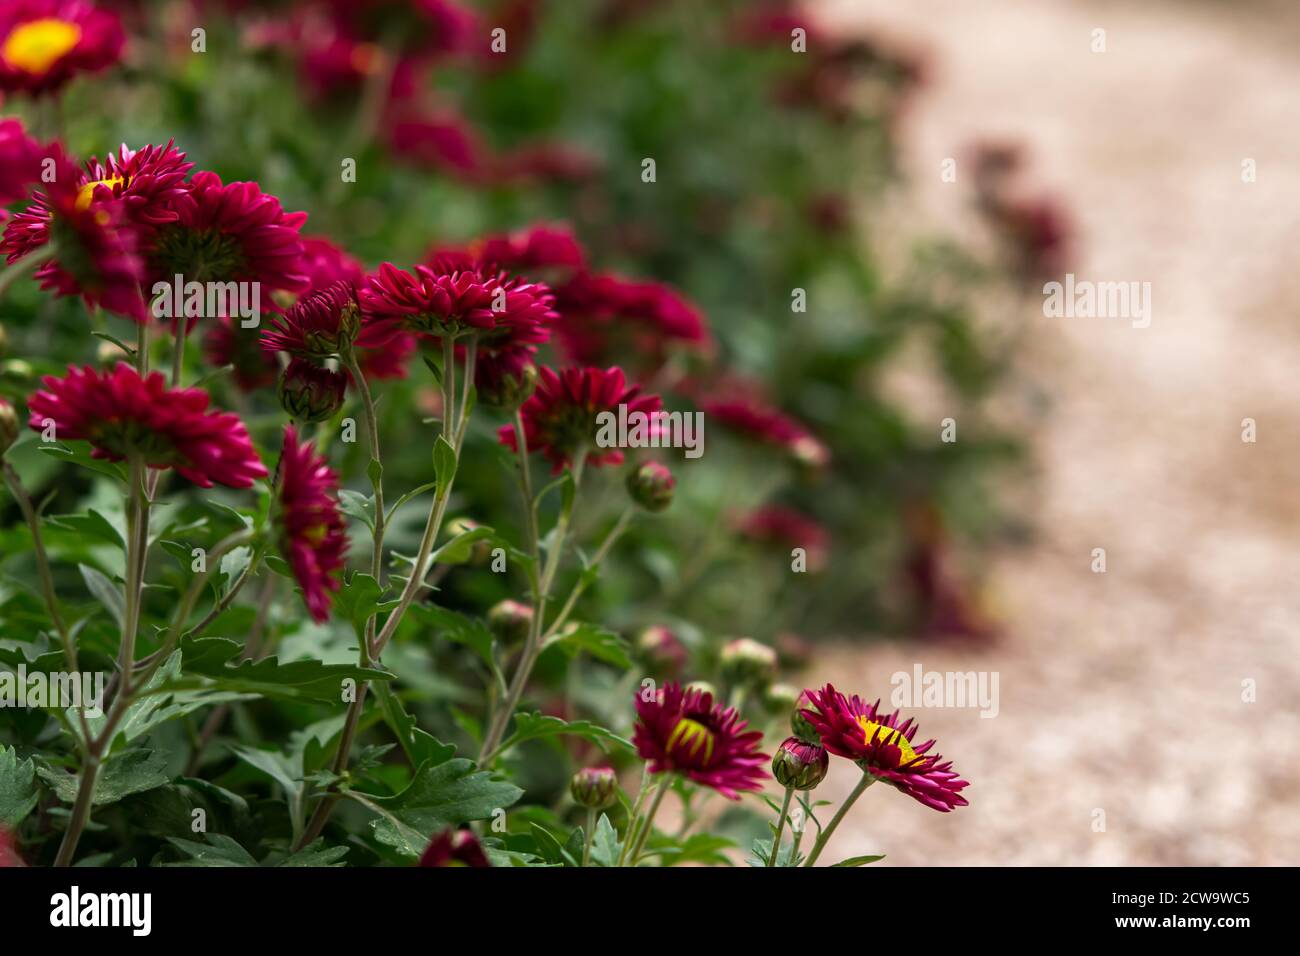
890 736
688 738
86 194
35 46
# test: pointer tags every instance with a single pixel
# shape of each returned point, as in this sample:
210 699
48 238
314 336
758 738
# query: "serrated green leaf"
606 846
220 850
449 794
536 726
458 628
17 787
599 643
133 771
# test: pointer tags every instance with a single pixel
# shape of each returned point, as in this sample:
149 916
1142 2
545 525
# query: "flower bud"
9 426
505 379
802 727
510 621
703 686
594 787
798 765
310 392
480 550
651 486
662 651
454 848
745 661
781 698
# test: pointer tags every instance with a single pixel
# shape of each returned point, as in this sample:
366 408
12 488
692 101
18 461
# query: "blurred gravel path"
1123 691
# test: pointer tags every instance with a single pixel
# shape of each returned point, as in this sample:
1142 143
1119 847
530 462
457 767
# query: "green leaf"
859 860
606 847
460 548
536 726
359 506
316 854
418 745
413 493
458 628
587 638
359 600
444 464
448 794
91 525
220 850
17 787
105 591
79 454
133 771
375 471
205 667
284 770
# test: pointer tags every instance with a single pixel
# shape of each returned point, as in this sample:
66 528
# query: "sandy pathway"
1122 692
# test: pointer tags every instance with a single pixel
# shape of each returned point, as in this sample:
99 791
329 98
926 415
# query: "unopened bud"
662 651
798 765
800 725
510 621
310 392
651 486
745 661
594 787
480 550
8 426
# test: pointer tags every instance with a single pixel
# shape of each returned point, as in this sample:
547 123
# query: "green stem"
591 836
601 553
26 265
648 826
533 646
780 827
648 784
822 838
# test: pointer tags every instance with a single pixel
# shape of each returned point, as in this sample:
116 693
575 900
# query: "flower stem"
377 484
780 827
591 836
822 838
533 646
648 825
26 265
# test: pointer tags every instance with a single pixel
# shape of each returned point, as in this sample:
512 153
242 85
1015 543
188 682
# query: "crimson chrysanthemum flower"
43 43
756 420
322 324
784 527
20 161
97 248
603 311
686 732
561 415
445 299
231 232
454 847
123 415
141 185
324 262
313 535
882 747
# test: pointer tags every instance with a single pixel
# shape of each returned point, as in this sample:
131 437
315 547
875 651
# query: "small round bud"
505 379
510 621
745 661
594 787
481 550
9 426
704 687
19 369
800 725
781 698
662 651
798 765
651 486
310 392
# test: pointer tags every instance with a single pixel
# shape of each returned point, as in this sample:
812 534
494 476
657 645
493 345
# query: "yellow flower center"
35 46
688 738
87 192
889 735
